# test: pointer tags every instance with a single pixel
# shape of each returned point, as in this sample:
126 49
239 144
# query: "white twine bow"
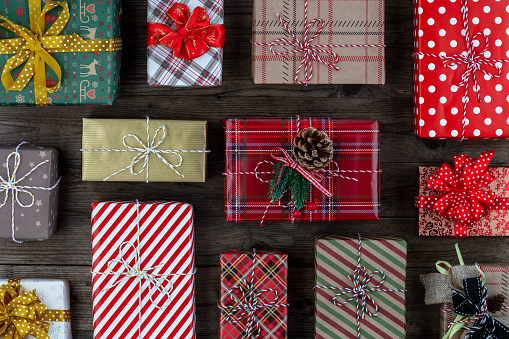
145 150
157 281
10 184
474 59
310 51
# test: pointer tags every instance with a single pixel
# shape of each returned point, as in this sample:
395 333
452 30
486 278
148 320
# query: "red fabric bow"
194 34
464 196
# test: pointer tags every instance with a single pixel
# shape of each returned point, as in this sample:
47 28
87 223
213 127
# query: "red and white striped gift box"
138 247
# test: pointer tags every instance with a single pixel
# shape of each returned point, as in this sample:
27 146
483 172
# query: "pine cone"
312 149
495 303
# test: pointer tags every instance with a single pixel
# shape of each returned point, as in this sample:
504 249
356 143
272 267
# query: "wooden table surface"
68 253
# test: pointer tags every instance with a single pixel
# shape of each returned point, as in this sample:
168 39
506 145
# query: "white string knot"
11 185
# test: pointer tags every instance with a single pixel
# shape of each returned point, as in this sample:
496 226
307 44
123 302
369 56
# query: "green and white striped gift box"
336 261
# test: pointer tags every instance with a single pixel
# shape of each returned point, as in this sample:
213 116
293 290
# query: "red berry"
297 214
312 206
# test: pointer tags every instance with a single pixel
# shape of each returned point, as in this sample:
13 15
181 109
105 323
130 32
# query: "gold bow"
23 313
34 47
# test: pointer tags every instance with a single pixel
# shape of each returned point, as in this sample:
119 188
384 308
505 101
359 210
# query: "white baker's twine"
144 152
10 184
310 51
156 281
474 61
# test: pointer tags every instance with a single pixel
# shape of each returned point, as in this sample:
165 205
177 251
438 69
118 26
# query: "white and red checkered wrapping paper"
166 239
163 69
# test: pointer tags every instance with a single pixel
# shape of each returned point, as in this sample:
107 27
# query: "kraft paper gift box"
264 273
87 57
34 173
51 299
346 22
116 150
249 143
494 219
336 262
198 60
156 239
445 91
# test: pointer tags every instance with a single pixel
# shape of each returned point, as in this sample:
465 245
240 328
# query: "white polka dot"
454 111
431 89
487 54
454 88
498 87
421 122
432 133
487 31
454 133
477 110
443 122
419 10
498 20
441 10
487 121
421 77
442 77
498 109
454 67
508 121
431 21
498 42
421 100
499 132
441 32
476 43
453 21
453 43
498 64
487 98
432 111
443 100
507 9
431 44
477 132
431 66
420 33
475 20
486 9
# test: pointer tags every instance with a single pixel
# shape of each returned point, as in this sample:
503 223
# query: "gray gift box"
29 175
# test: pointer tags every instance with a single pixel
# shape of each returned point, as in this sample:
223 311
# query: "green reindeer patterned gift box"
60 52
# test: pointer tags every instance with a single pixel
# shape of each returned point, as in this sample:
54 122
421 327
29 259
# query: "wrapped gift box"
249 143
335 262
264 273
156 238
54 294
90 77
113 150
36 173
165 69
438 101
358 65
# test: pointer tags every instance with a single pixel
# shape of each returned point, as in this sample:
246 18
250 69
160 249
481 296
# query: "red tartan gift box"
461 81
253 280
249 143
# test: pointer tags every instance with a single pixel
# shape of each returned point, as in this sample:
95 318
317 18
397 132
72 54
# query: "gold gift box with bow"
144 150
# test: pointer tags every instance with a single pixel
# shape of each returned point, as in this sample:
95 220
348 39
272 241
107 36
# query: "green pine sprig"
290 180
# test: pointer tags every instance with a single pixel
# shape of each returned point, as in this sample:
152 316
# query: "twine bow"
33 47
23 313
464 196
194 34
248 301
161 282
474 59
11 185
310 51
360 291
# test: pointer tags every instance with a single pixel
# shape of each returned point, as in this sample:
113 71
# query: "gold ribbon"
33 47
23 313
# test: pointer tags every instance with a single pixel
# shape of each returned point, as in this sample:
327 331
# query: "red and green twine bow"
464 193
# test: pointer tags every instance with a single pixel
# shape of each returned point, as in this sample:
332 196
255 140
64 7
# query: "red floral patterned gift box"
468 199
461 71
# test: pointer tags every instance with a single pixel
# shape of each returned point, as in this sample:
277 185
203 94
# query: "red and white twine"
310 51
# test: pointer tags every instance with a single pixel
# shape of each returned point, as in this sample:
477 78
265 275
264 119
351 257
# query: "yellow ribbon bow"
34 47
23 313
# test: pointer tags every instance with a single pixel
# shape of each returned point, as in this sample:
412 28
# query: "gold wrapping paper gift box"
144 150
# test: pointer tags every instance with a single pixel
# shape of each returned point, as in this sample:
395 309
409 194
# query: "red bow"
464 197
194 34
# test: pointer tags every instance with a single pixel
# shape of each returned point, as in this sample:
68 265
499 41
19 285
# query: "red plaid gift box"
461 82
249 143
253 280
143 270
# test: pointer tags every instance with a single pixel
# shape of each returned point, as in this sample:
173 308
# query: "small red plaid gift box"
143 270
253 300
352 178
461 75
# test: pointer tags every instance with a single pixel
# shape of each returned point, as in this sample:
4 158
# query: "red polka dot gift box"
465 199
461 69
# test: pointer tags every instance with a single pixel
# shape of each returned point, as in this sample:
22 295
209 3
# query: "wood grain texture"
68 253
